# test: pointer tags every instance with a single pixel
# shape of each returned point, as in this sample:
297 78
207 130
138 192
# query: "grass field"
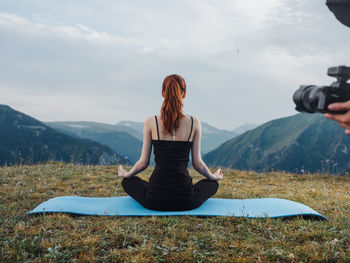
65 238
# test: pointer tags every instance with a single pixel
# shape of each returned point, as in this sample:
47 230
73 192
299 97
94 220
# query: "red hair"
171 112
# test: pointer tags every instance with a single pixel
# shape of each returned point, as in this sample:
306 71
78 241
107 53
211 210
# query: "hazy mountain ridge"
25 140
306 142
137 126
79 127
122 139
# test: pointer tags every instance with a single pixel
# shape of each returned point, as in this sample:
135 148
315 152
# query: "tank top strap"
155 116
189 137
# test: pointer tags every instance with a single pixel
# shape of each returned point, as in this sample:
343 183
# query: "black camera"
311 98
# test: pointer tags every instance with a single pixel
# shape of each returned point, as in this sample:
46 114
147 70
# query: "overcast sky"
105 60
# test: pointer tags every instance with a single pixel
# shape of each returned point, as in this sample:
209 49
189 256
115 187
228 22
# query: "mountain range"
300 143
25 140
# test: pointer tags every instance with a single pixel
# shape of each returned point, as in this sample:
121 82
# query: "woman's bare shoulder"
196 121
149 120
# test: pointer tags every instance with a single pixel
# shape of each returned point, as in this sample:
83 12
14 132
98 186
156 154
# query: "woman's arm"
143 162
197 161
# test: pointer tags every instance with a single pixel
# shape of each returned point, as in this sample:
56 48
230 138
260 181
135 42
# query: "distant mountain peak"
207 128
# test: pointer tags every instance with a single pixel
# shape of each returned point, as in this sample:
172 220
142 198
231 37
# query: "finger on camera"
344 118
344 125
332 117
329 116
339 106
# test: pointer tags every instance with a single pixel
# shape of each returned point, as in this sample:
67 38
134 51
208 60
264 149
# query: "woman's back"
184 132
171 157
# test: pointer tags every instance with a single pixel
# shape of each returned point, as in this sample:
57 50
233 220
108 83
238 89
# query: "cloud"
106 61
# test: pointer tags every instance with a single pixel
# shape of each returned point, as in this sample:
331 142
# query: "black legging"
137 189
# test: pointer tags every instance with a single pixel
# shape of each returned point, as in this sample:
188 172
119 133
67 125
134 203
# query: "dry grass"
64 238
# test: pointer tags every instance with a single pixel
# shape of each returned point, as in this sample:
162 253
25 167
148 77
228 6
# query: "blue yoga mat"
127 206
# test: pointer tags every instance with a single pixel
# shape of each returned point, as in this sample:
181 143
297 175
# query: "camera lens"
306 98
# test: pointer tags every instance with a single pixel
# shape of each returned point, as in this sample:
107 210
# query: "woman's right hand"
122 172
218 174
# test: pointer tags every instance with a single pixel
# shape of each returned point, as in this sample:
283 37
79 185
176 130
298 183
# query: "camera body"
311 98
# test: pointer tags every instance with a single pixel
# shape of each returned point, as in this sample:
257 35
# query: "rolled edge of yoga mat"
127 206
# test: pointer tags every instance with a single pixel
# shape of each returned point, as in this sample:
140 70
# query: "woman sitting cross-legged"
173 135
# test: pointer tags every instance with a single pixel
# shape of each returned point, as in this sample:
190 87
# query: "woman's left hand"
122 172
218 174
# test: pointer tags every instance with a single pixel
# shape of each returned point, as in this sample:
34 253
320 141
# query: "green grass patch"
66 238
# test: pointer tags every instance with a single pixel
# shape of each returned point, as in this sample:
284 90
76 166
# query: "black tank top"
170 177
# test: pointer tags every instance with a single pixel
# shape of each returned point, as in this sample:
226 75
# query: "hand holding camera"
342 119
333 100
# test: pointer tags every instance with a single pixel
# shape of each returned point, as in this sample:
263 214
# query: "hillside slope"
24 139
306 142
